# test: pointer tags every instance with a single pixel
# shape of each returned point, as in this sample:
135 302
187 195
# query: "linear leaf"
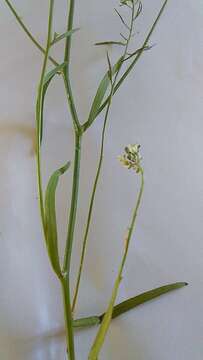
45 88
110 43
57 70
50 218
63 36
143 298
129 304
103 86
47 80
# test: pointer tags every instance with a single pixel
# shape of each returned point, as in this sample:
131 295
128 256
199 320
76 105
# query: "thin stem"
29 34
64 280
39 113
37 44
134 217
71 4
73 208
66 75
99 170
90 212
101 334
67 84
68 318
137 57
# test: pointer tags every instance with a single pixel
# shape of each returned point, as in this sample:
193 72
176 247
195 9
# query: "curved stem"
99 169
29 34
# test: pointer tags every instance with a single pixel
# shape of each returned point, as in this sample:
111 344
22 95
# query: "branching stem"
98 172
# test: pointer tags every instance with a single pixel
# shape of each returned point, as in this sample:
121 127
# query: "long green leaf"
143 298
102 89
50 219
129 304
63 36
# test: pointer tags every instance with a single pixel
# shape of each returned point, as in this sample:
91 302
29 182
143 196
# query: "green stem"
101 334
68 318
74 202
39 113
133 63
71 5
67 84
90 212
134 217
29 34
69 243
66 75
98 171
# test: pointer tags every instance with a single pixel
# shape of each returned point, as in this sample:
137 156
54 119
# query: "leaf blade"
47 80
133 63
44 91
122 307
101 91
63 36
50 218
110 43
57 70
143 298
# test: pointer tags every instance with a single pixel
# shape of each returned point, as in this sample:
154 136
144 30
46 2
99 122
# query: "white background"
160 106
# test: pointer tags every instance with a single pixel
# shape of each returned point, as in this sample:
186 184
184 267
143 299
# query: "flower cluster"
131 158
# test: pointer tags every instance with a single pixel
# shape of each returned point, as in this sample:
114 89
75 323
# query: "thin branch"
29 34
98 172
122 19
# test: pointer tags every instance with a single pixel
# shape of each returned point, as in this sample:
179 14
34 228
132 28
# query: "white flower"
131 158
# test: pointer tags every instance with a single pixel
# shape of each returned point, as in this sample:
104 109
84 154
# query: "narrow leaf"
50 219
122 19
137 57
129 304
58 37
139 10
57 70
47 80
136 52
102 89
45 88
143 298
110 43
110 67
